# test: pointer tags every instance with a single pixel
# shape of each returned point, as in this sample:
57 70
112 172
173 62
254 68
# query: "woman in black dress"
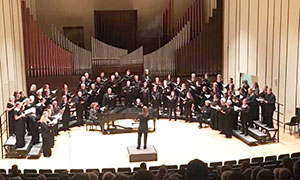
143 127
245 110
46 134
19 126
11 120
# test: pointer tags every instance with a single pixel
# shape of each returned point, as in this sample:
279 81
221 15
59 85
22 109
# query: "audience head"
143 166
108 176
92 176
120 176
276 173
41 177
265 174
287 163
247 173
197 170
81 176
14 170
296 169
225 175
64 176
245 165
255 172
162 172
236 176
285 174
143 175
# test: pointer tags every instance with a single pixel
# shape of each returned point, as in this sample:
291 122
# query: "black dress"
46 139
229 119
20 130
245 110
214 116
80 107
143 129
11 120
66 115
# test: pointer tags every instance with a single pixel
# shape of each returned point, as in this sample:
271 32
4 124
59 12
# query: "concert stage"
176 142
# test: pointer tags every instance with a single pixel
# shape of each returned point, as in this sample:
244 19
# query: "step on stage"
140 155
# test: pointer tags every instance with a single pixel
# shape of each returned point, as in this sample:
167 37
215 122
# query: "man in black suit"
143 127
109 99
269 101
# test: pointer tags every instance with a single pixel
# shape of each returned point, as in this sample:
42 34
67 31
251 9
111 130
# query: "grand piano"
109 117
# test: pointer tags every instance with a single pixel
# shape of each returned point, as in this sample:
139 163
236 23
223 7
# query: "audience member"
108 176
41 177
120 176
276 173
265 174
143 166
225 175
236 176
93 176
197 170
296 170
143 175
15 172
81 176
64 176
247 173
245 165
287 163
162 172
285 174
255 172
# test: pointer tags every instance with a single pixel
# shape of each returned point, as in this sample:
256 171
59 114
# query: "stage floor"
176 143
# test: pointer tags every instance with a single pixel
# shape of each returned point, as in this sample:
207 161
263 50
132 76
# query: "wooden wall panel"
270 41
244 29
262 41
292 53
12 77
253 27
276 47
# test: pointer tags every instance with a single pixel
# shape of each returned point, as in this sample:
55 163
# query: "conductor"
143 127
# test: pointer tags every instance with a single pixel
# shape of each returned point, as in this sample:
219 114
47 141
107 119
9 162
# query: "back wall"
261 38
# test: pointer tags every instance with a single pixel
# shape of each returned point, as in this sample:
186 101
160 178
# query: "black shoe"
145 147
138 147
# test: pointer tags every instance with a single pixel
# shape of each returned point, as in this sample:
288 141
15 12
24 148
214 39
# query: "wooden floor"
176 143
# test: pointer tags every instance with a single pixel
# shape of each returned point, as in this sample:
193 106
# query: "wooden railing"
3 131
43 57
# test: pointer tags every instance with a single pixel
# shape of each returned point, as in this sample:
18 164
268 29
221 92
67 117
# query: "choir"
197 99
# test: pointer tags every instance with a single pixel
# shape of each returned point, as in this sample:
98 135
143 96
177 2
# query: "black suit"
229 118
245 113
270 108
172 107
143 129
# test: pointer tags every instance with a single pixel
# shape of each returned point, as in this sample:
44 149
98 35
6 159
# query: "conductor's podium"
140 155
